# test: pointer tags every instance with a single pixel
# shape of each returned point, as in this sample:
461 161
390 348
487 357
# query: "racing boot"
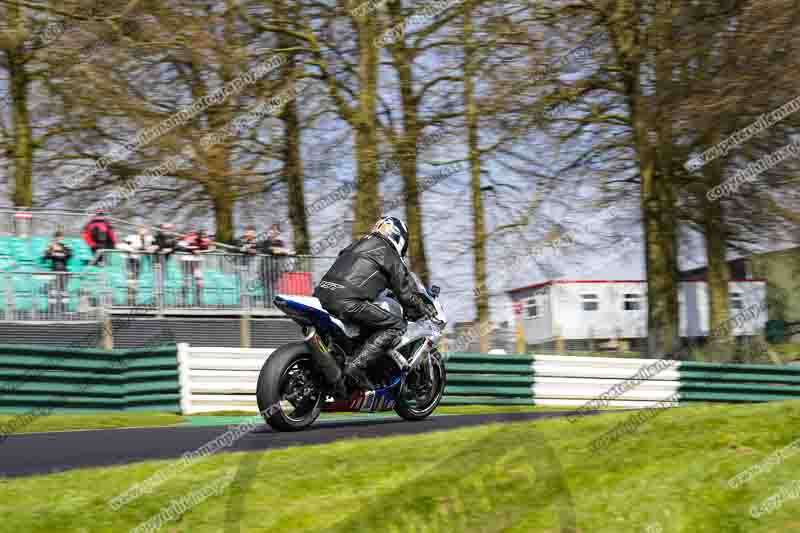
375 346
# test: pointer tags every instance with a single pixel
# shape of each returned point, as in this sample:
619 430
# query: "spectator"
194 244
58 254
165 243
250 247
99 235
248 244
135 244
274 267
274 245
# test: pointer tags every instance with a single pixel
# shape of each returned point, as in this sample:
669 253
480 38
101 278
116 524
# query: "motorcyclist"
360 273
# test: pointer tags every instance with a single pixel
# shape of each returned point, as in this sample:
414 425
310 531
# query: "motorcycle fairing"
310 307
371 401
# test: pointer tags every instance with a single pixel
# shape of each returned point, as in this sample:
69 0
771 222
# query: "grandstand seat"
6 262
114 263
211 292
145 296
80 249
173 290
229 287
38 245
24 255
76 264
23 293
3 292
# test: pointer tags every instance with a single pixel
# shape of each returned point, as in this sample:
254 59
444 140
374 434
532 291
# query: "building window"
590 302
532 309
737 303
632 302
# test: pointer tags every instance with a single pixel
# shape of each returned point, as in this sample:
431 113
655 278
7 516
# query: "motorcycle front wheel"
287 394
419 396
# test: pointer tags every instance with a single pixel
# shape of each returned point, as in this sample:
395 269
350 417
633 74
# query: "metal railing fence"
207 281
37 296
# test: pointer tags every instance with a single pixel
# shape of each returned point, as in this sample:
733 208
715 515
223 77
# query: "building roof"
575 281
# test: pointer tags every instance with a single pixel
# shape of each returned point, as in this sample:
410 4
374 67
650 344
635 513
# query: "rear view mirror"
434 290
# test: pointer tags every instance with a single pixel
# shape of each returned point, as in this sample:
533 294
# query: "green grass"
63 422
59 422
444 409
788 352
490 409
672 472
593 353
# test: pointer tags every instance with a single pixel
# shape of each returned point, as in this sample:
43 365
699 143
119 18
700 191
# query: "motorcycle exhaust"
321 357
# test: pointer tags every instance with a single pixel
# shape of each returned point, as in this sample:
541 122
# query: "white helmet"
395 230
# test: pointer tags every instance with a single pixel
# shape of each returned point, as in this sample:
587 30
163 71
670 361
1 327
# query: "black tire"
269 392
412 412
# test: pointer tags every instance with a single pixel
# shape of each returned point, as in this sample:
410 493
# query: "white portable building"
617 309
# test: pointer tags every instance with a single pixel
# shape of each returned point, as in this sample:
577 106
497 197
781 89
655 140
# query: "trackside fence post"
184 374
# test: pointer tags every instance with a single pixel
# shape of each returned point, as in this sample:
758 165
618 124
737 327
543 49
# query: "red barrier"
296 283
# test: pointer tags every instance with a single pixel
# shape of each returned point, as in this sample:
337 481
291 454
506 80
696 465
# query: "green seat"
76 264
23 292
211 294
24 256
3 293
23 303
119 296
145 296
116 261
38 245
22 284
42 303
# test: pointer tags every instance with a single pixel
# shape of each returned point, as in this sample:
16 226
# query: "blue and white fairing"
310 309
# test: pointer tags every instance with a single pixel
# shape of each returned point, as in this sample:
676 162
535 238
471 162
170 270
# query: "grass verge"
111 420
59 422
670 475
448 410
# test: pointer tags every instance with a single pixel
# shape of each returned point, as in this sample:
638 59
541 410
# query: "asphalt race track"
44 453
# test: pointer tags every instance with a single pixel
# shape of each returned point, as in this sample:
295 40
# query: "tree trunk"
407 151
367 194
662 326
223 199
478 223
293 172
659 200
292 159
19 80
718 270
223 216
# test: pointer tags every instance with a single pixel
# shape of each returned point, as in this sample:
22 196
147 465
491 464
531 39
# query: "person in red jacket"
196 242
99 235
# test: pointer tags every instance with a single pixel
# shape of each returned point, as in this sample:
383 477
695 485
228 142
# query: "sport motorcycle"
295 382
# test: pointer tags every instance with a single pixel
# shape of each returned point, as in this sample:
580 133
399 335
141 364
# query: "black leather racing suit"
359 274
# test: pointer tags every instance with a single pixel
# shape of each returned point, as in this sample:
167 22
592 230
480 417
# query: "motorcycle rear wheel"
287 394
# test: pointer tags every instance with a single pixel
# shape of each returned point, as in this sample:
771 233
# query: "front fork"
423 354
